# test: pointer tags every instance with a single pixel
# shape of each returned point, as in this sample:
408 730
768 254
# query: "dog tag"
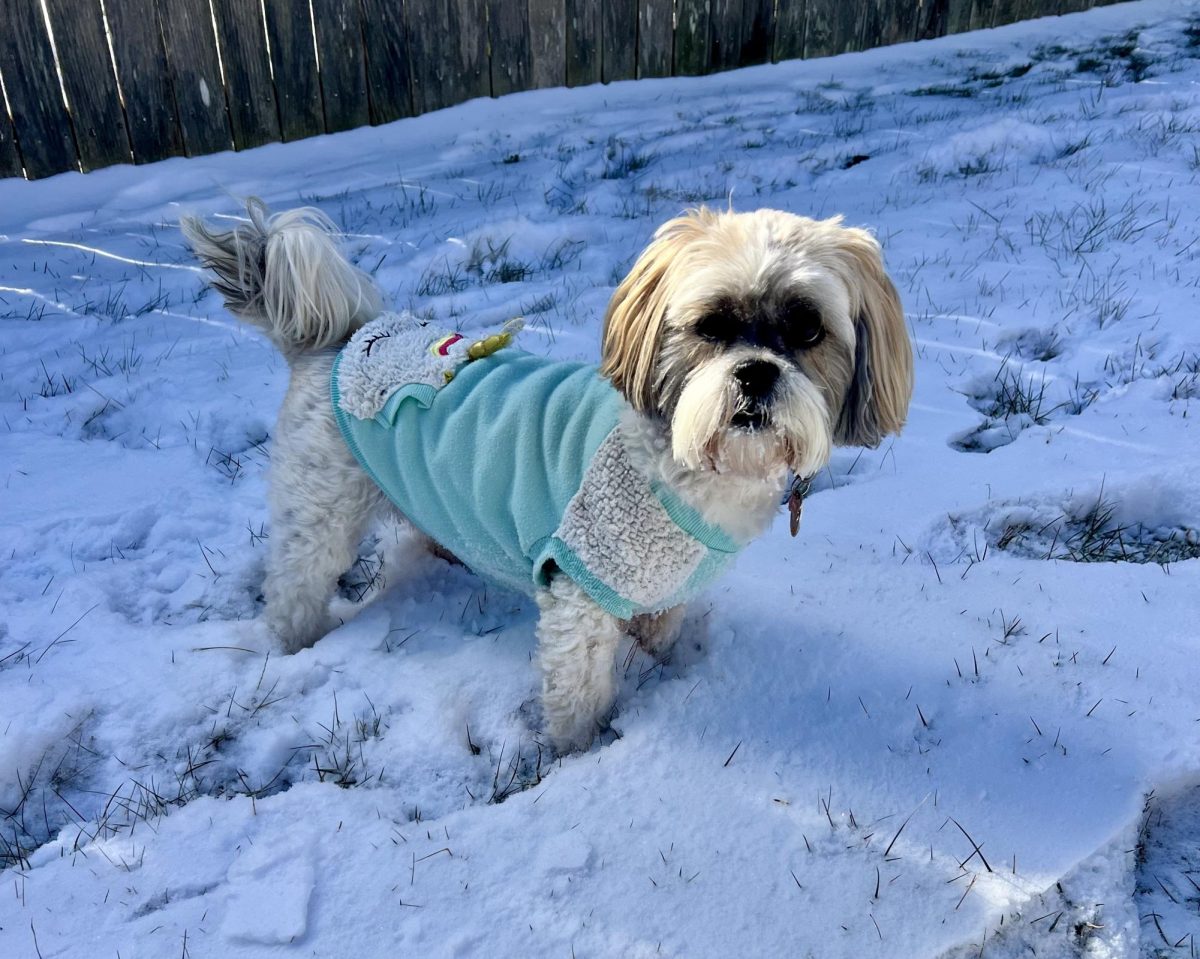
796 502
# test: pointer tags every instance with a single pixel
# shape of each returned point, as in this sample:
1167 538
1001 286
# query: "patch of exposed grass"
561 254
1017 395
516 772
541 304
337 751
621 160
1089 227
812 101
56 383
1071 147
43 806
708 188
561 198
438 280
1090 532
1037 344
1118 60
994 78
945 90
363 578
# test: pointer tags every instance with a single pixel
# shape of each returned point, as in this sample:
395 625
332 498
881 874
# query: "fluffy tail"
284 274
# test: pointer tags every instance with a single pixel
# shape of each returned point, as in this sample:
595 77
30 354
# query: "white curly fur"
321 502
577 648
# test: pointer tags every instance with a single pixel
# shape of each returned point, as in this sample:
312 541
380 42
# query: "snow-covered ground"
926 727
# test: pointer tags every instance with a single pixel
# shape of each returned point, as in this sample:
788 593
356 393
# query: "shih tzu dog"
737 352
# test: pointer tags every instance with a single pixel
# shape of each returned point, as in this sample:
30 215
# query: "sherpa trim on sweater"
515 464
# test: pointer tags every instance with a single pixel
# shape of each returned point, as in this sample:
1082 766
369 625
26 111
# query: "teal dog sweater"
515 464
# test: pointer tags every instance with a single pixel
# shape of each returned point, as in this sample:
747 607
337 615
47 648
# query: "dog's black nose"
757 379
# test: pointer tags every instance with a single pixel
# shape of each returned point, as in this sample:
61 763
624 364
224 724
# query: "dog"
739 350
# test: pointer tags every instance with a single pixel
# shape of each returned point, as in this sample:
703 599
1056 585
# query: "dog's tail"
284 274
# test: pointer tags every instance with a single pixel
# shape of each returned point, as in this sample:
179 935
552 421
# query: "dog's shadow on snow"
429 598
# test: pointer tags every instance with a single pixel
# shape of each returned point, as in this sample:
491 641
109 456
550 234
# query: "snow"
922 728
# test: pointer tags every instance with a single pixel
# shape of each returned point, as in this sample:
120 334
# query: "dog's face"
760 340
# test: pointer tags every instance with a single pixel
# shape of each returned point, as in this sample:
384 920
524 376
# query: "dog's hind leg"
312 543
321 502
577 647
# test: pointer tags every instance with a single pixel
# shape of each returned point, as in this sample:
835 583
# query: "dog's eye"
802 326
719 325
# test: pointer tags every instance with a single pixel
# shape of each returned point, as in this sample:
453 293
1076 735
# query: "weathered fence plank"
253 113
195 72
294 63
389 69
339 30
885 22
789 30
584 53
43 127
958 15
548 42
656 38
981 14
832 27
448 43
90 82
691 37
932 19
10 157
1003 11
724 34
758 31
1010 11
508 26
141 62
618 39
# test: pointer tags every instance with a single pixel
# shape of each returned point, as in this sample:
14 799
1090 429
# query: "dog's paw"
293 637
294 644
575 732
571 739
533 717
577 706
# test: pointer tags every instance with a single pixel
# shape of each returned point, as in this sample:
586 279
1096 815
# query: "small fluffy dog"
737 352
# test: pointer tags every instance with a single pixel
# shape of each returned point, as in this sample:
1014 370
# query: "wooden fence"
89 83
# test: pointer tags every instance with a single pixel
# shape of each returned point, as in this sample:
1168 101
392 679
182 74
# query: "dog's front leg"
577 647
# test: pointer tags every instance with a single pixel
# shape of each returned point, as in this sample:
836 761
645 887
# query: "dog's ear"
633 323
877 400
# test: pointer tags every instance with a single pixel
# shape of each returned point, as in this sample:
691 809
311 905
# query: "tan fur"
636 313
864 367
882 406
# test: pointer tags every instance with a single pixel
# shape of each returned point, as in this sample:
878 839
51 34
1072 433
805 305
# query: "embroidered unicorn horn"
497 341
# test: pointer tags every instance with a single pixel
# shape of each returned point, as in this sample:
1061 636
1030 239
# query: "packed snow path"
958 714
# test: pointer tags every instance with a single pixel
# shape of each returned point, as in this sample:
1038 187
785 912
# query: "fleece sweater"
515 464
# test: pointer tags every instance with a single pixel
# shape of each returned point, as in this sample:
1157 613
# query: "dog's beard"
796 433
